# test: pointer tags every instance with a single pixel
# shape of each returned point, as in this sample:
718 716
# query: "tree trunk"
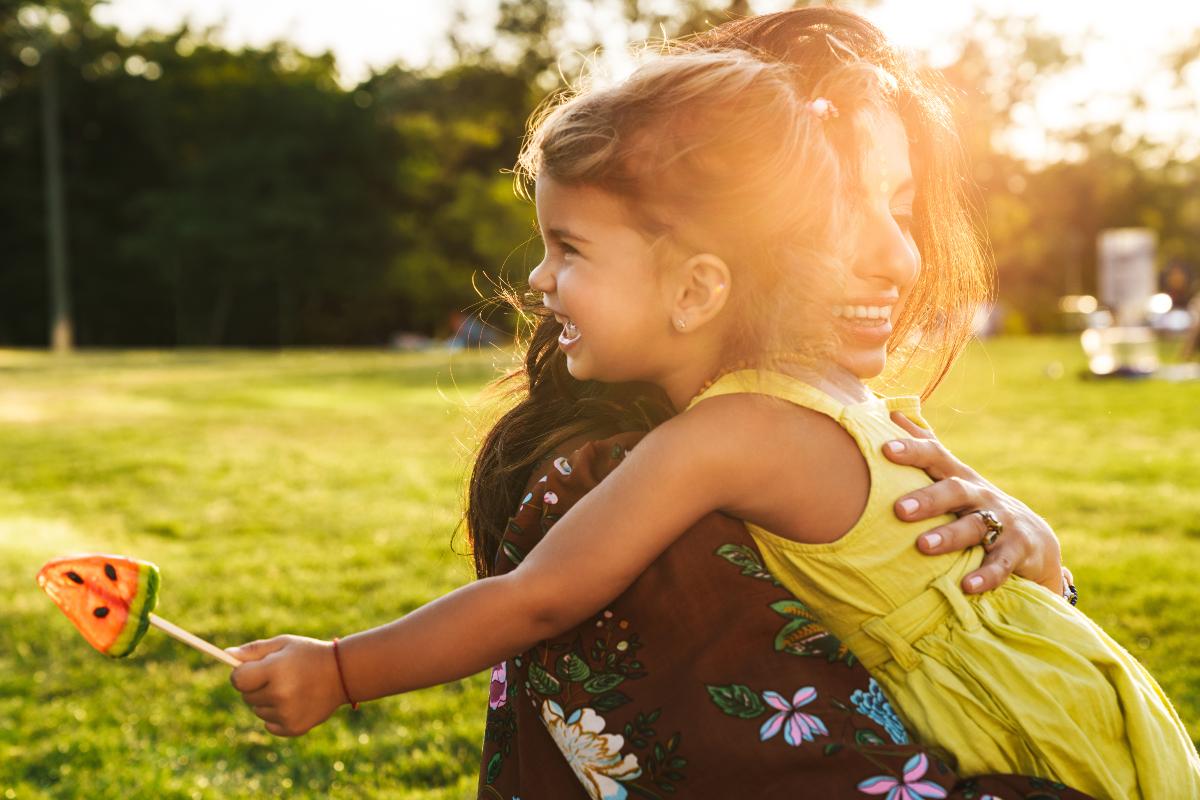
220 315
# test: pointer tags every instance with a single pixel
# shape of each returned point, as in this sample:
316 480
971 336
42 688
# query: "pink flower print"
549 498
797 726
499 694
908 787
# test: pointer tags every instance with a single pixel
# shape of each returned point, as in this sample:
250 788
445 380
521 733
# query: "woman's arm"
1027 547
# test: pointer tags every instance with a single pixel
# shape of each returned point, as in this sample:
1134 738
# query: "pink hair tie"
823 108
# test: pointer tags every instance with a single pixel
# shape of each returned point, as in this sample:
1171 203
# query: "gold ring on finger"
993 524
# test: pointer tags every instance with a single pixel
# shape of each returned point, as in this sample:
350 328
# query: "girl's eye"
568 249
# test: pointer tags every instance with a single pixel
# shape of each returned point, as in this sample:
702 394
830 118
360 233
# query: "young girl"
699 222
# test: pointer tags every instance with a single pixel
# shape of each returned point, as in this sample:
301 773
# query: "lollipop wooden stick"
190 639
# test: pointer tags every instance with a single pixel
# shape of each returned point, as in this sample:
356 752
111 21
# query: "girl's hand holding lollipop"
292 683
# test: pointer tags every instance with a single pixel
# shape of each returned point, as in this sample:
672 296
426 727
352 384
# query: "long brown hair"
823 49
956 277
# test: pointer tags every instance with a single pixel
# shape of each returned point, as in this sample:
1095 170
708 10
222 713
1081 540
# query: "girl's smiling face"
885 263
600 280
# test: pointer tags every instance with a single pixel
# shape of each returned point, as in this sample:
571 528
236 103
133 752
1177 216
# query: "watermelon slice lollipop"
110 599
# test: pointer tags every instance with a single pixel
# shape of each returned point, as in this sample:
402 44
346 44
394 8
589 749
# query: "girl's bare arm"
674 476
687 467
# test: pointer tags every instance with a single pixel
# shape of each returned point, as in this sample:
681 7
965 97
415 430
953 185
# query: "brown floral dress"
704 679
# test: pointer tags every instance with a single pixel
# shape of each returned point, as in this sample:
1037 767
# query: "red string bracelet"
337 657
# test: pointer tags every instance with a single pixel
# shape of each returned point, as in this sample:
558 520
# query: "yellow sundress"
1011 681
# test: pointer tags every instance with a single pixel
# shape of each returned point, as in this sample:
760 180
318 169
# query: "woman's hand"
290 682
1027 546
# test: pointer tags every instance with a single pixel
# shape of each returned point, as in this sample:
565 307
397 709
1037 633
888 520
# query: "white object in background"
1125 272
1125 351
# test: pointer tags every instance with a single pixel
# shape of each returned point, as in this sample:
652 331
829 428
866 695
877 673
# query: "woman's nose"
889 254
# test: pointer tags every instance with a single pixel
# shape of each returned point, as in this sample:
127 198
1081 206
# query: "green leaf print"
793 608
804 636
609 700
747 559
737 700
572 668
514 553
493 767
866 737
799 636
601 682
541 681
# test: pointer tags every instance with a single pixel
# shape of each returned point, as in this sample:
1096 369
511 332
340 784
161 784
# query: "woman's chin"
863 366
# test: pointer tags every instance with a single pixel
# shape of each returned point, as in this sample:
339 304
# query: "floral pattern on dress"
802 635
594 756
499 689
909 786
796 725
873 704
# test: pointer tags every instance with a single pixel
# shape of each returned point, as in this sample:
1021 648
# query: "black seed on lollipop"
110 571
73 575
101 612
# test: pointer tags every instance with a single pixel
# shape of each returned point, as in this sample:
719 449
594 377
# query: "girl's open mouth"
569 334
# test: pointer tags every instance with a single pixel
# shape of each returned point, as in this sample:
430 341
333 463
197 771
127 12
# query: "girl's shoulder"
791 469
762 435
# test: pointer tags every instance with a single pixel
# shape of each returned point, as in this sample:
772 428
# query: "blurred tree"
456 217
221 197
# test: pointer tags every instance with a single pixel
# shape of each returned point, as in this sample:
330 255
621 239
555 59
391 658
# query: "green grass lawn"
320 492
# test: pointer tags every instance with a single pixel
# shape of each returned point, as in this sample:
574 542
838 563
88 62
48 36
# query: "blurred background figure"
471 332
1191 338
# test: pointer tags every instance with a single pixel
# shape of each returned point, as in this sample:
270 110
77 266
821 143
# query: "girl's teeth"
569 333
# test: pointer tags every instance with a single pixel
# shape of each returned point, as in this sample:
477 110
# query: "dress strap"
909 406
774 384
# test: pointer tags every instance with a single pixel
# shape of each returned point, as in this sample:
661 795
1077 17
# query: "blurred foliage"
245 197
1043 220
220 197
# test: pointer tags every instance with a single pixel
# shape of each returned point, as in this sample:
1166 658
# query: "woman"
732 690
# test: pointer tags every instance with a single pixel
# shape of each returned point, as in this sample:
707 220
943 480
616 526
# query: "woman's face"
885 263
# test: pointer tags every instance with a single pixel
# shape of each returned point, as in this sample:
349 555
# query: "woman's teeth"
868 316
569 333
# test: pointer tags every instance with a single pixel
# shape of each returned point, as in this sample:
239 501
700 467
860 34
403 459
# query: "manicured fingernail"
974 582
933 540
908 505
895 447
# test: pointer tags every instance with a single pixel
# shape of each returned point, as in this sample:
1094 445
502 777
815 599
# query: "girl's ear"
701 291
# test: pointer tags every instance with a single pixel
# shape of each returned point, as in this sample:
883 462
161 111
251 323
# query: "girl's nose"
541 279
